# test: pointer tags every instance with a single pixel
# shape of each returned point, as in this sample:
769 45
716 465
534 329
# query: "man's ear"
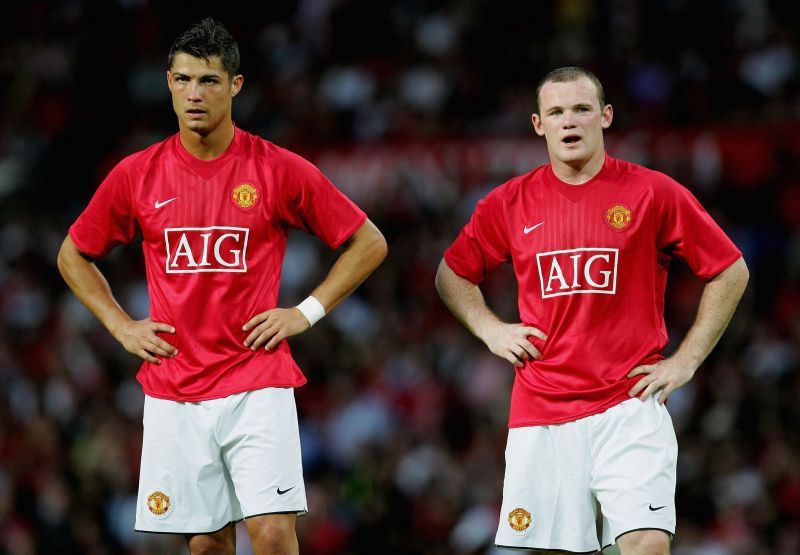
537 124
608 116
236 84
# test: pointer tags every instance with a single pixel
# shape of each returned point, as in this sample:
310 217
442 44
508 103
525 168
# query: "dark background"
415 109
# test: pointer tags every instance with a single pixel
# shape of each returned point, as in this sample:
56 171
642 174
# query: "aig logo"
206 249
582 270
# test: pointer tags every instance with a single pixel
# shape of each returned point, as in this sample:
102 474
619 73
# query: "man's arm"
364 251
466 302
717 304
90 286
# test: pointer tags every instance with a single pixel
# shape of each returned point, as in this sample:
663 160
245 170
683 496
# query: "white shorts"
624 459
210 463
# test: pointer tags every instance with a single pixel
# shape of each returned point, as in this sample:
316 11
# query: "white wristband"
312 309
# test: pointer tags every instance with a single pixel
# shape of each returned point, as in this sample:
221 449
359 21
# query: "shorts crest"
159 504
520 520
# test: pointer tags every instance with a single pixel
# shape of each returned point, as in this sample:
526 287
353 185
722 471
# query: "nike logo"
160 204
655 508
527 229
281 492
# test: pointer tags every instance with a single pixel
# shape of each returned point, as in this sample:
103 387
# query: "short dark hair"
206 39
567 75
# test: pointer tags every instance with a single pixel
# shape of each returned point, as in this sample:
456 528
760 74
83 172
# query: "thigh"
547 503
261 449
183 484
634 468
651 542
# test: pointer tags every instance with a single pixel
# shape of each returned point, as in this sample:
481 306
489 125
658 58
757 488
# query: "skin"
465 300
573 109
202 95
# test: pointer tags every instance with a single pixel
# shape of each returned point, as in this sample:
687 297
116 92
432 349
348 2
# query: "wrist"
115 326
482 328
312 309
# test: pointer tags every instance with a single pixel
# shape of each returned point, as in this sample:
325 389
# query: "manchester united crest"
618 217
158 503
245 195
520 520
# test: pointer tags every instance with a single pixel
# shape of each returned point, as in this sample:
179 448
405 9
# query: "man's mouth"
571 139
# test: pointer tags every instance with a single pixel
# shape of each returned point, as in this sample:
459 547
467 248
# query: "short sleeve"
688 232
482 244
313 204
108 220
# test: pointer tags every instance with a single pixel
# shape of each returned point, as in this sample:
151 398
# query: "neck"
209 146
579 172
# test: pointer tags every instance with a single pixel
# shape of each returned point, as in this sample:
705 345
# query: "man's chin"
199 127
572 156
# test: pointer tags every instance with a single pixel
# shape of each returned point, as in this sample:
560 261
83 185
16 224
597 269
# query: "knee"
283 543
275 538
210 545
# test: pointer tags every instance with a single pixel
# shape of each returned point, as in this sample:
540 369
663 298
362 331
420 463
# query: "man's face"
571 120
202 92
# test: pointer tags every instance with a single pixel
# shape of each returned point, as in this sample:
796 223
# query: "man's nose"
194 91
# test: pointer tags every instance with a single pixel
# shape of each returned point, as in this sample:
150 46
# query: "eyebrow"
573 106
202 76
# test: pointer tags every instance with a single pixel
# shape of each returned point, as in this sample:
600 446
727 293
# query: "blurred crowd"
416 109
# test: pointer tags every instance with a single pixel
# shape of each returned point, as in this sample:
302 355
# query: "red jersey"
214 236
591 263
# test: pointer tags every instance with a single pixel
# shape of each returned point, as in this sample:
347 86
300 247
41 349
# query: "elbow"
439 280
61 259
380 249
370 245
376 248
740 272
736 275
744 274
69 258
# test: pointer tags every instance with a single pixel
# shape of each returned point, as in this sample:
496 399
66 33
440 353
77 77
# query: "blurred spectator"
415 109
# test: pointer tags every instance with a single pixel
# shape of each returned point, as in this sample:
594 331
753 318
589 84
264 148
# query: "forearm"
717 305
364 252
90 286
464 299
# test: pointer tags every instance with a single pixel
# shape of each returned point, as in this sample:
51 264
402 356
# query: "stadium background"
416 109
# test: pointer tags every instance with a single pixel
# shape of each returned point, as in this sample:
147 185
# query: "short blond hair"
567 75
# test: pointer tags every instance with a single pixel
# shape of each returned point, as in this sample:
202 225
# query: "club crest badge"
159 504
618 217
245 195
520 521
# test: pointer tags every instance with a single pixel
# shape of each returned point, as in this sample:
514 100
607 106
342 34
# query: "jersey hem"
527 423
221 394
515 548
